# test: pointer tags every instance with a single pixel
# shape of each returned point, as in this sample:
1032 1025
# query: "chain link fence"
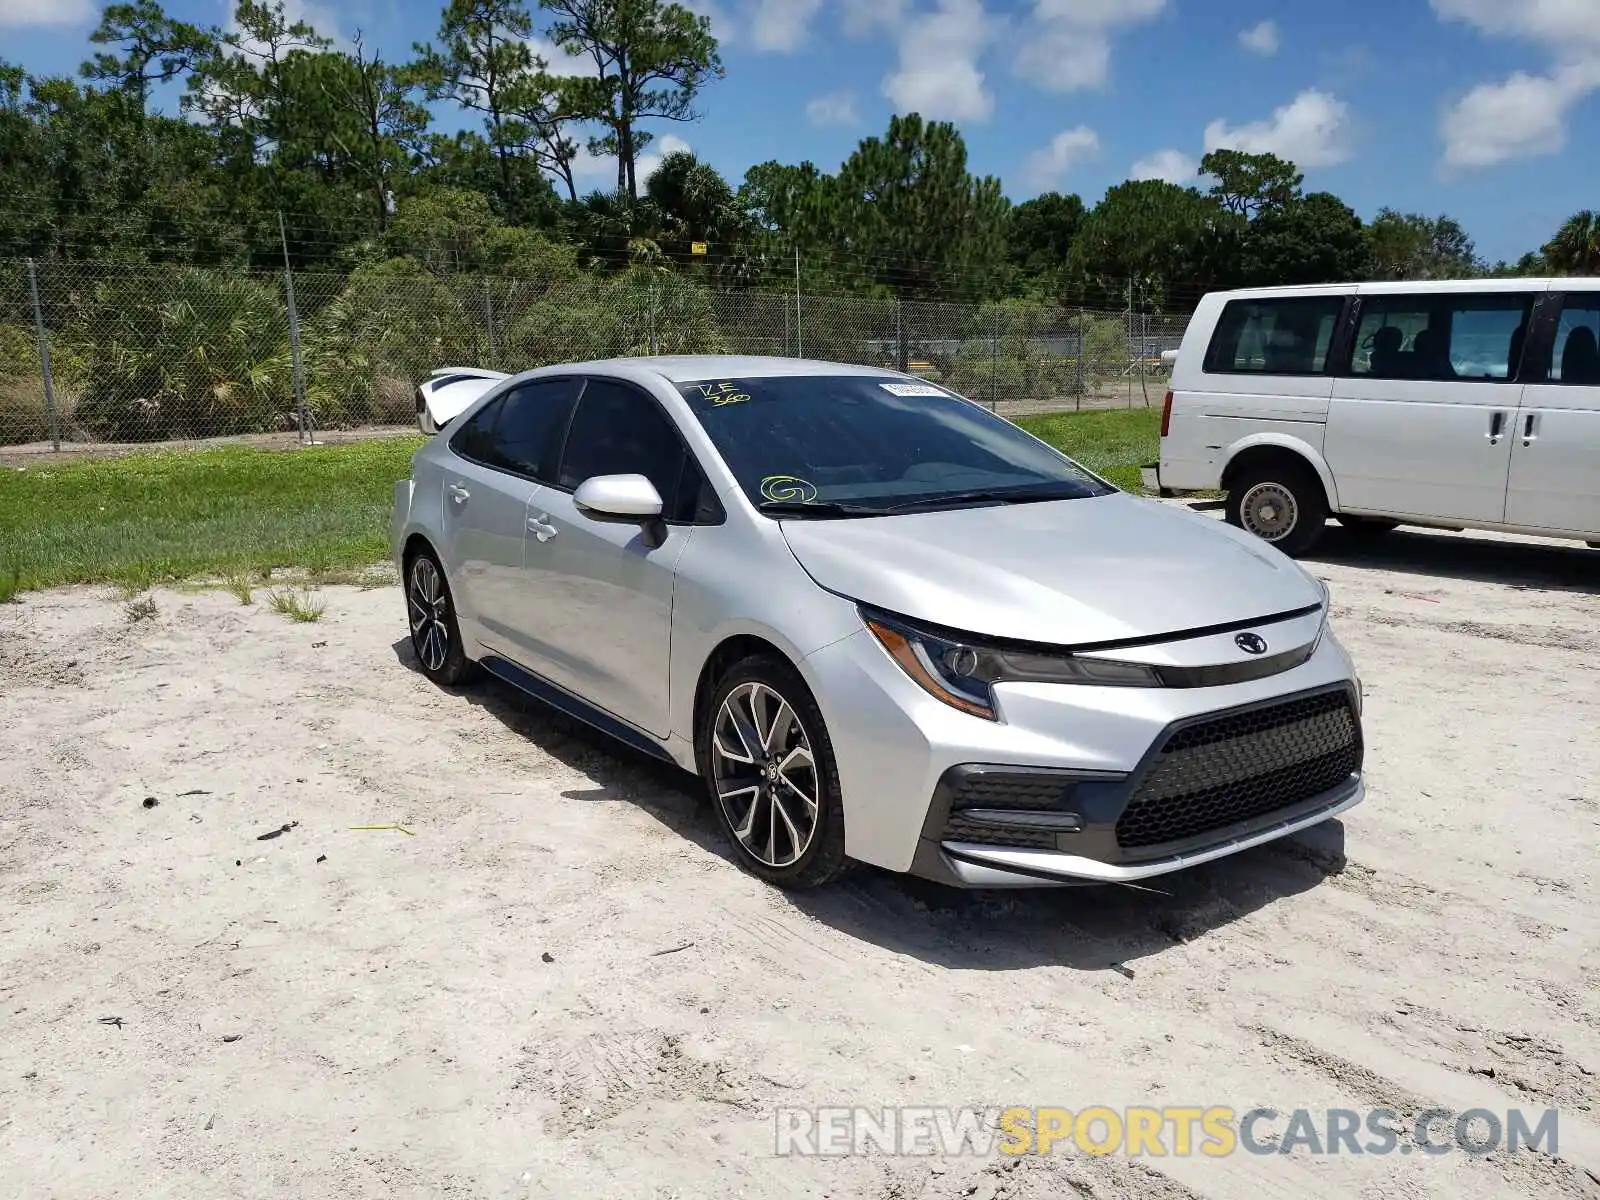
95 354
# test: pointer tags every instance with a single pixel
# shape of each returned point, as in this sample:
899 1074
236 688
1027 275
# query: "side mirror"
623 500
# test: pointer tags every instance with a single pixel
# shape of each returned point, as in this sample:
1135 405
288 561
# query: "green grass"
1113 443
298 605
152 518
236 514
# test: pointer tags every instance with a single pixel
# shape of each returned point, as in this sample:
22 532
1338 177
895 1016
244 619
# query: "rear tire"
1281 502
1367 525
431 616
767 762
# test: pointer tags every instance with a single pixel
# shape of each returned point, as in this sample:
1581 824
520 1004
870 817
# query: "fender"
1295 445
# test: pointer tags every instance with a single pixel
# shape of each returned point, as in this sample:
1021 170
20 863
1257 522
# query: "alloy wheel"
1270 511
765 774
429 607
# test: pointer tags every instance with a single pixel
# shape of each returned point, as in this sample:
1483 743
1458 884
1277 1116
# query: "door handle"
1497 424
458 493
541 528
1530 429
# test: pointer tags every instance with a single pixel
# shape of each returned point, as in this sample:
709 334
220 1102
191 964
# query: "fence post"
655 345
488 319
44 358
294 338
994 361
799 346
1077 392
902 349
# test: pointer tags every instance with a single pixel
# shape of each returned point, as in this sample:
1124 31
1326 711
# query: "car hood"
1067 572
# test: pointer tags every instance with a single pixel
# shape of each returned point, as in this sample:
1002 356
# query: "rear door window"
520 431
1442 336
1290 335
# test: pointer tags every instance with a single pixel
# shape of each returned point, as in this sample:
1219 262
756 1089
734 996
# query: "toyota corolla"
880 623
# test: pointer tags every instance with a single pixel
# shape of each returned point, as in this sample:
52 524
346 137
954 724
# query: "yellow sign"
697 247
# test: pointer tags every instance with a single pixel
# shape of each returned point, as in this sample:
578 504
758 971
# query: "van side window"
1441 336
1288 336
1577 347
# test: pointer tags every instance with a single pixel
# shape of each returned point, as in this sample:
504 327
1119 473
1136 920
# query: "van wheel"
1281 502
1367 524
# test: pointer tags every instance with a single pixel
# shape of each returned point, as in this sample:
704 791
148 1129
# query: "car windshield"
834 446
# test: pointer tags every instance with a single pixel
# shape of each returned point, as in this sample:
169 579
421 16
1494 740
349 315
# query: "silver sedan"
880 623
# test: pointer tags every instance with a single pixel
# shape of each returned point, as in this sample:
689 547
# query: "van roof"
1381 286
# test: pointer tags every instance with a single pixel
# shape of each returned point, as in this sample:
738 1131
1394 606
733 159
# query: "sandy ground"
559 985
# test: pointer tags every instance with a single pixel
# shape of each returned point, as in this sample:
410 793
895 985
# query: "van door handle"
541 528
458 493
1530 429
1497 424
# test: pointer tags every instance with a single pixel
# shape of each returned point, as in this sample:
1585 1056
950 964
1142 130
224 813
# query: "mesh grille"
1237 768
957 829
1027 791
1036 792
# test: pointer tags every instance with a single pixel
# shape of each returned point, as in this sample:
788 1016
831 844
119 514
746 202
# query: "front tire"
767 762
431 615
1282 503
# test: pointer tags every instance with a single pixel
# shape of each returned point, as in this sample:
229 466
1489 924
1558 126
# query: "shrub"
190 354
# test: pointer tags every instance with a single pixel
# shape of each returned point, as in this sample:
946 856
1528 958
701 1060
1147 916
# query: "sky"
1482 109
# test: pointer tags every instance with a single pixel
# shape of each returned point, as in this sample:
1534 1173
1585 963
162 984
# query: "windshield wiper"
988 496
816 508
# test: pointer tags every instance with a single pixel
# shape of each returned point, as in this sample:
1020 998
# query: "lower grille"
1217 773
958 829
1042 791
1013 790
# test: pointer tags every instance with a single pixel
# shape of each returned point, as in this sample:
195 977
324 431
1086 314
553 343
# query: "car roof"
689 368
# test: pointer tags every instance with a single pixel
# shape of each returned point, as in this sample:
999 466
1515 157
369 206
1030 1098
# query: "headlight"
962 672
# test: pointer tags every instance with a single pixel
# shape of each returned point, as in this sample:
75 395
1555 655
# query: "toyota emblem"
1251 643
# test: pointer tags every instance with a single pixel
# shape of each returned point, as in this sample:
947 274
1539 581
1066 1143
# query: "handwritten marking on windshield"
721 393
786 488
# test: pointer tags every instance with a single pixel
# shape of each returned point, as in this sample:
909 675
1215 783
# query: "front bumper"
1085 784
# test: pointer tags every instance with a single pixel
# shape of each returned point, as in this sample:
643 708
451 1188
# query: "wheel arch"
1266 448
730 650
414 545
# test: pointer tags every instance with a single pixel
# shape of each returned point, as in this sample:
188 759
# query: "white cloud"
862 17
46 12
781 25
1559 23
938 73
313 14
603 167
1311 130
1046 168
1066 45
1261 39
833 108
559 63
1520 117
721 23
1170 166
1523 115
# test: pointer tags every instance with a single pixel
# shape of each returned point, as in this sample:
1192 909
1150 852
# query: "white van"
1453 404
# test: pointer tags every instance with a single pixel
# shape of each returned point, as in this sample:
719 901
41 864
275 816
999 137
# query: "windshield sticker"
911 389
721 393
785 488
